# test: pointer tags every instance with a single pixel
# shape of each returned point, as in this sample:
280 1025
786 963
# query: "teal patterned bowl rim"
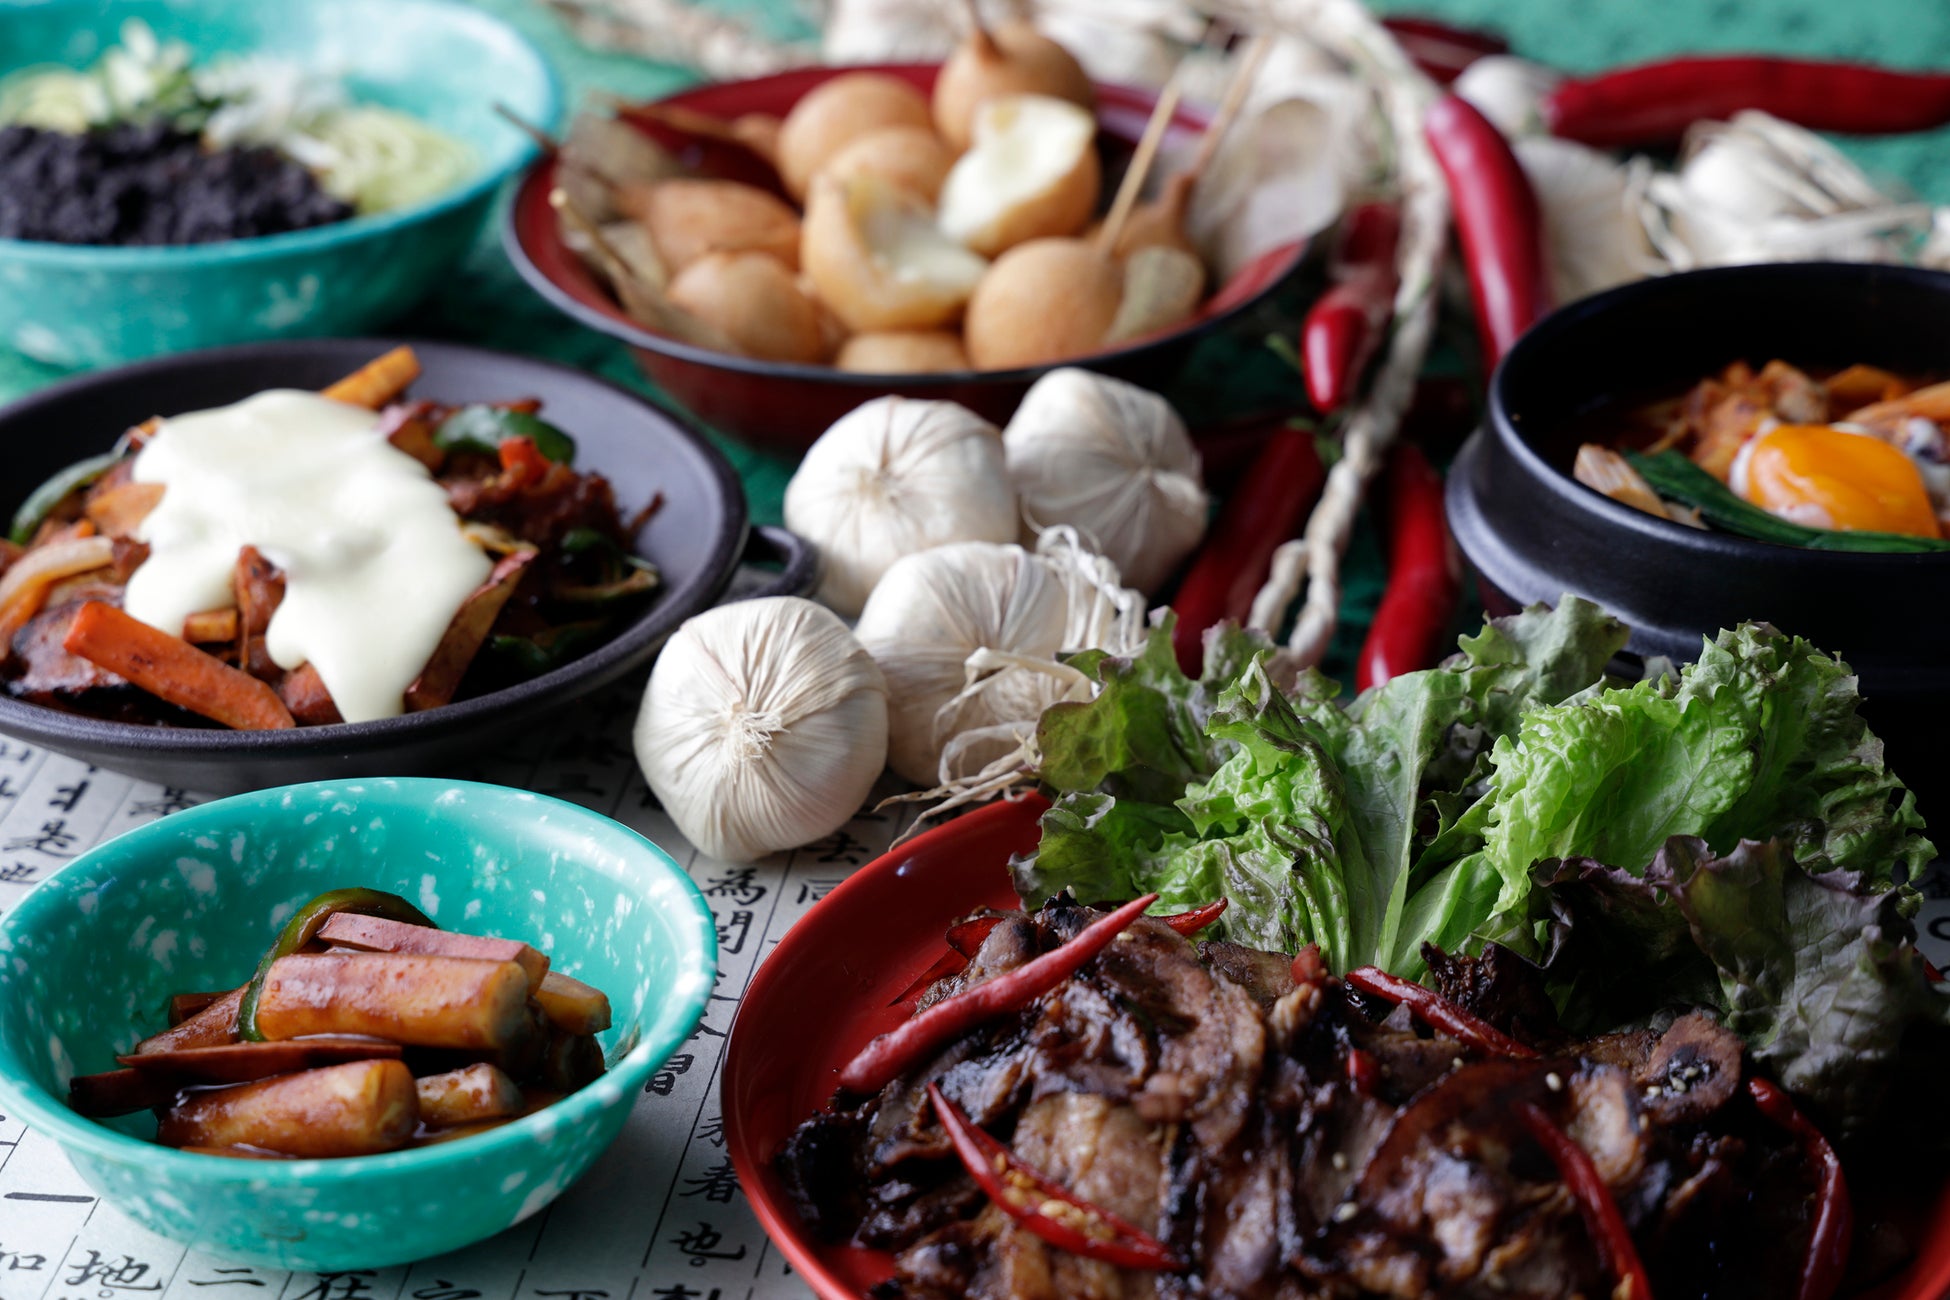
547 113
29 1102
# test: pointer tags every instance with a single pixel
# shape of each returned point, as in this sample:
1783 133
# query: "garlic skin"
1509 91
891 478
968 637
764 727
1114 462
1590 205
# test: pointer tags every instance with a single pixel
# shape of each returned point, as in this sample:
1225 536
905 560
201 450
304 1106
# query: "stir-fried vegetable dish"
1859 460
364 1029
302 559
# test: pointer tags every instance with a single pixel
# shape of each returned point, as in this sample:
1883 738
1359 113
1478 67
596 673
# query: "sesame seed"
1345 1210
1554 1081
1340 1160
1652 1093
1455 1062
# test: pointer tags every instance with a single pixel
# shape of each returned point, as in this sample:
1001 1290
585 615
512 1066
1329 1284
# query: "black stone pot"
696 539
1532 532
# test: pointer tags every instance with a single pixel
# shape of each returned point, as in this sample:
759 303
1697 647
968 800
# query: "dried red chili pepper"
945 965
1270 506
1043 1206
1440 49
1411 627
1497 220
1437 1012
1347 322
1834 1228
1602 1221
892 1053
1652 104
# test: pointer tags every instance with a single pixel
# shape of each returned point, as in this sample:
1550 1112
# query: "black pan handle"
798 561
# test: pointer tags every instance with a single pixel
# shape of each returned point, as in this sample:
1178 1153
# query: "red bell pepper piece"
1270 506
1439 1013
1602 1221
521 462
1828 1245
891 1054
1652 104
1498 221
1346 323
1411 627
1440 49
1043 1206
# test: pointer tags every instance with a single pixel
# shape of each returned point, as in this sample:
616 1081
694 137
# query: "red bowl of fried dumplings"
784 406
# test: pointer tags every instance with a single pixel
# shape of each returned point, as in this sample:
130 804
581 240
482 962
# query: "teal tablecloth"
487 304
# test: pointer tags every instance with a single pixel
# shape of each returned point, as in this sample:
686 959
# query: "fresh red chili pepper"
1190 923
1834 1229
1363 1071
1439 1013
1044 1206
1440 50
1346 323
892 1053
1412 626
1308 965
966 936
945 965
1270 506
1653 103
1602 1221
1498 221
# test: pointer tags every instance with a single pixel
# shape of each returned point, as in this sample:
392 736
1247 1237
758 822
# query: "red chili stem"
1190 923
1652 104
1834 1228
1025 1194
1602 1221
1439 1013
1412 625
1497 220
1346 323
1270 506
891 1054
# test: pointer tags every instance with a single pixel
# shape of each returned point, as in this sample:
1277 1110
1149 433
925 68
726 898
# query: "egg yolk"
1829 478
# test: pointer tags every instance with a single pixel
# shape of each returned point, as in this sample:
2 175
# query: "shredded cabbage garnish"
372 157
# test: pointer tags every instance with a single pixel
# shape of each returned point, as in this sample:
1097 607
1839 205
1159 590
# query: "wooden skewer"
1237 89
1147 153
543 140
978 30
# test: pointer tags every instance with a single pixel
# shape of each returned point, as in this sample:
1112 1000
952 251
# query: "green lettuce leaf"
1817 972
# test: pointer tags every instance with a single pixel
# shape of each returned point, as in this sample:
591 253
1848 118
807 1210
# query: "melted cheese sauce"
374 561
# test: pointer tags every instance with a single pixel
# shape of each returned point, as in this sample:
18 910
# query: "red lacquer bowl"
833 982
784 406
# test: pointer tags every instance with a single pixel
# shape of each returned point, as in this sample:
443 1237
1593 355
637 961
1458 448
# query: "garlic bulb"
1508 91
1590 206
764 728
1758 189
1114 462
968 637
894 477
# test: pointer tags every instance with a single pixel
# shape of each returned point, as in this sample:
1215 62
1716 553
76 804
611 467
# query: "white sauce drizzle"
374 560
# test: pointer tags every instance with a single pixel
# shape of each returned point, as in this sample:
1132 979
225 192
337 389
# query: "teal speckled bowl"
440 60
89 958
